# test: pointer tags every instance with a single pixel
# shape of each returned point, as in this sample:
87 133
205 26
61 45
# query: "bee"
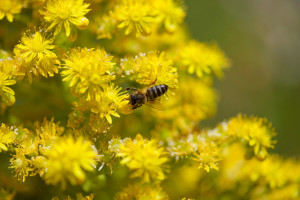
141 97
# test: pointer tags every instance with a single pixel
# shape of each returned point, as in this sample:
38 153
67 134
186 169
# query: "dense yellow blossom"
201 58
154 68
61 13
21 165
47 133
9 8
169 13
103 104
258 133
141 192
144 157
265 179
67 159
87 69
108 102
207 156
35 53
7 137
10 67
81 156
135 16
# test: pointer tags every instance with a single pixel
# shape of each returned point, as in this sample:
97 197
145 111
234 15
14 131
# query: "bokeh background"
262 39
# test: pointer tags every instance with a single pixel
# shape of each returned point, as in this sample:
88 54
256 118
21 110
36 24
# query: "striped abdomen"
156 91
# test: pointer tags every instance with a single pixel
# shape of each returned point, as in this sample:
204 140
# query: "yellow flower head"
155 68
169 13
67 159
144 157
108 102
7 137
201 58
62 13
195 100
135 15
47 133
7 94
207 156
35 53
20 164
10 67
258 133
87 69
141 192
9 8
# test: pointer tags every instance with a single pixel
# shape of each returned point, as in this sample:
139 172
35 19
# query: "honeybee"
141 97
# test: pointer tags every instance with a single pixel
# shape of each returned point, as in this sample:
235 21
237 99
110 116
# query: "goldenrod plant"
69 129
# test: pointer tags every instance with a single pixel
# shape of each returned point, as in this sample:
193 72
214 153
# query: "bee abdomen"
156 91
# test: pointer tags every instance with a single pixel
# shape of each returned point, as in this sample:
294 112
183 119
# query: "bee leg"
153 82
131 89
136 106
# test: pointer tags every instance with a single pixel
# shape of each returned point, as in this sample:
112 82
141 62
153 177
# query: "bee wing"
156 104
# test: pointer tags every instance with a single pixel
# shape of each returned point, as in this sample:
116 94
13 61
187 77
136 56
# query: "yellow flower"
258 133
63 13
7 94
107 102
10 67
208 156
20 164
9 8
47 133
142 192
155 68
169 13
201 58
87 69
144 157
67 159
135 15
7 137
195 100
36 56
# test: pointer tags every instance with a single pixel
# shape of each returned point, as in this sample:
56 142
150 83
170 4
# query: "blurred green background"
262 39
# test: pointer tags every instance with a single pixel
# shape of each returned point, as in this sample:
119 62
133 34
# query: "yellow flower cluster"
201 59
257 132
35 55
144 157
152 68
88 70
126 44
67 159
9 8
273 178
141 17
61 13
